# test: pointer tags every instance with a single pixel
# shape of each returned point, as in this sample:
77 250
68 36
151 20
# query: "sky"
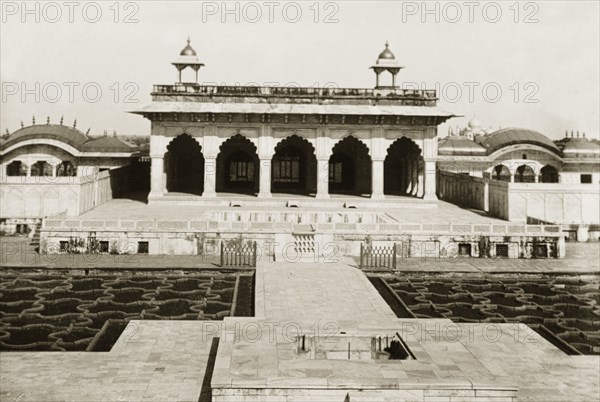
509 64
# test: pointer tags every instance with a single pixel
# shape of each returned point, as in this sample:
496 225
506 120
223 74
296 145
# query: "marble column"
415 176
322 178
157 177
486 196
264 183
210 177
377 180
430 181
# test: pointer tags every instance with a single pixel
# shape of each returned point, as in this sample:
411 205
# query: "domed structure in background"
576 147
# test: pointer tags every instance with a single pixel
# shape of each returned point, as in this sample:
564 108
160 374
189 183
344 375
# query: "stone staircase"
35 238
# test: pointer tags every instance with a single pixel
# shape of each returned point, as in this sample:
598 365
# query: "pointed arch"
350 167
501 173
16 168
549 174
403 168
525 174
294 166
41 168
238 166
184 165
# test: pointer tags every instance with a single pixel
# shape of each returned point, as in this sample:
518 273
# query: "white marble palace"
207 140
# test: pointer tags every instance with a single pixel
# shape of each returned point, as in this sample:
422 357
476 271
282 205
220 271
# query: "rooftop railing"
291 92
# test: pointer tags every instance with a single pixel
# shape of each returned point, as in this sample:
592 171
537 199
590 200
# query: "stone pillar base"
155 194
322 196
265 195
209 194
583 233
430 197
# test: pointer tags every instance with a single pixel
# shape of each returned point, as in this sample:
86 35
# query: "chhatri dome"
187 58
188 50
387 53
386 62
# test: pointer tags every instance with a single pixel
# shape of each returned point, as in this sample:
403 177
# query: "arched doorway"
524 174
66 168
16 168
41 168
401 167
184 164
237 166
549 174
501 173
294 167
350 168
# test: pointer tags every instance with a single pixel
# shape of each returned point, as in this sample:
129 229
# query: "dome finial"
188 40
387 44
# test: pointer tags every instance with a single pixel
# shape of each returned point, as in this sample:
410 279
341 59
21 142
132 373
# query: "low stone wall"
554 202
290 241
566 204
35 197
463 190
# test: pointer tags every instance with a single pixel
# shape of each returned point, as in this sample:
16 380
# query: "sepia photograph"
300 201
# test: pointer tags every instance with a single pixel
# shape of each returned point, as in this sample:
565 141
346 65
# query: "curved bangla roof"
581 146
460 146
67 135
512 136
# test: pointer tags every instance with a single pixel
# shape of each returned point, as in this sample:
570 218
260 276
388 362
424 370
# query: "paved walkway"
327 292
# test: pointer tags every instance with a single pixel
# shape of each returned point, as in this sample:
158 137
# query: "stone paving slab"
151 361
